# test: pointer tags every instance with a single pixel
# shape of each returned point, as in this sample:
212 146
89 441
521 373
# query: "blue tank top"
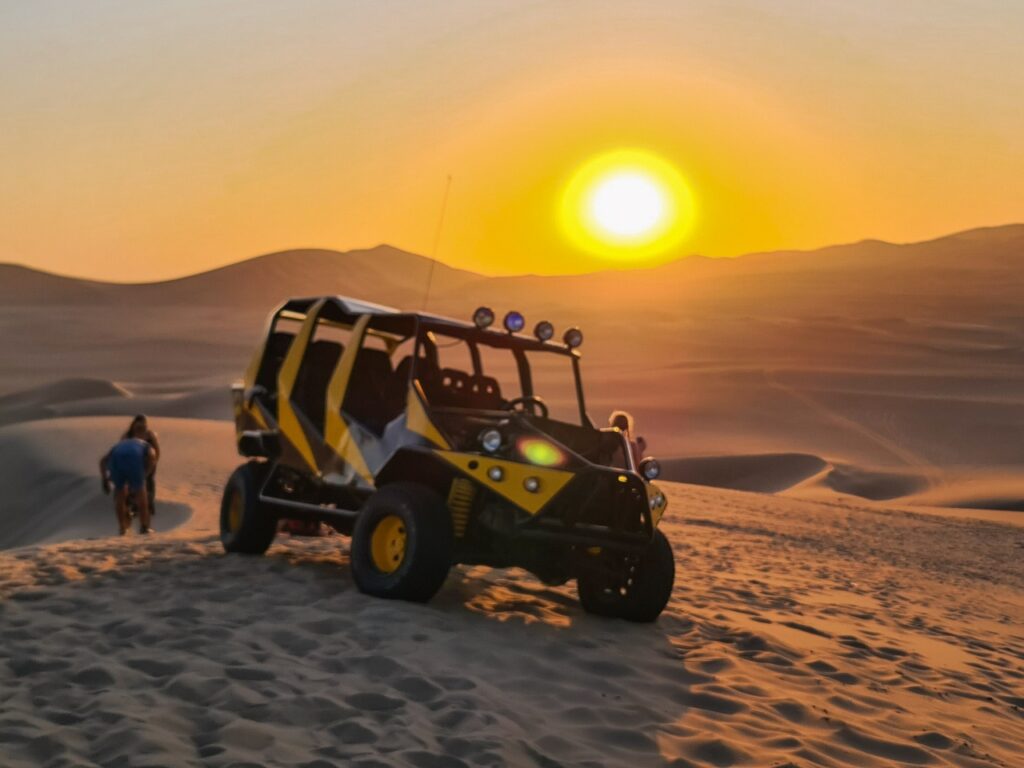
131 449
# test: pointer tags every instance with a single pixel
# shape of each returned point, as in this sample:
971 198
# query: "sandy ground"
850 594
800 633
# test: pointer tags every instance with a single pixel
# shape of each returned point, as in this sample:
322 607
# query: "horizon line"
643 268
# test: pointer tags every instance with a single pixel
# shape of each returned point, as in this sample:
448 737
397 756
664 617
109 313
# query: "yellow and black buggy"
433 442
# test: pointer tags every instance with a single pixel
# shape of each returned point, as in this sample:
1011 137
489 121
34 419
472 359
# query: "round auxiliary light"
573 338
496 473
483 317
491 440
514 322
650 468
657 500
532 484
544 330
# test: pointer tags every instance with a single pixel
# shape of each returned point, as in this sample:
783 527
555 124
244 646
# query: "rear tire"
246 525
402 543
632 587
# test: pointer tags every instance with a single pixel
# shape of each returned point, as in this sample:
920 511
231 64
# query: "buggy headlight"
657 500
483 317
514 322
573 338
544 330
650 468
496 474
491 440
532 484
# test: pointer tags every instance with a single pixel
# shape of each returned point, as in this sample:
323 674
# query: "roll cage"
393 327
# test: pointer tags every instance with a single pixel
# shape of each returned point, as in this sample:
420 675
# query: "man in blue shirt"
125 467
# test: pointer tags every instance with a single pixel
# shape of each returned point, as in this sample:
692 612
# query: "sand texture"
798 634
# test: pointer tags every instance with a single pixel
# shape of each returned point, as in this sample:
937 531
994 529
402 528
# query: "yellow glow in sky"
141 141
627 205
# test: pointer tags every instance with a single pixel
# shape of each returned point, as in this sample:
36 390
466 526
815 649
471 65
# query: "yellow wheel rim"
387 544
235 513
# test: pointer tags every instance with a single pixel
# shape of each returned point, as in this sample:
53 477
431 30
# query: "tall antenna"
437 241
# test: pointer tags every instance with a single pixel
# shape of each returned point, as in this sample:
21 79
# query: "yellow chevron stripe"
513 475
417 420
287 420
336 430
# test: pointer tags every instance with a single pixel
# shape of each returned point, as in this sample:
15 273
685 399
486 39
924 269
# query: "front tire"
402 543
246 525
632 587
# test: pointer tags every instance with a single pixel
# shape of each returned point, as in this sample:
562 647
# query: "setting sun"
628 205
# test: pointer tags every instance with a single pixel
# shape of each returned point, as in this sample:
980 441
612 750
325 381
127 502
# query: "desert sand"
799 633
848 530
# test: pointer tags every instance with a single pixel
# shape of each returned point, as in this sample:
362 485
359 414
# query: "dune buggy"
433 442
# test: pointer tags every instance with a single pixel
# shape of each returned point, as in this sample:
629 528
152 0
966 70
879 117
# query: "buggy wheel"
246 525
631 587
402 543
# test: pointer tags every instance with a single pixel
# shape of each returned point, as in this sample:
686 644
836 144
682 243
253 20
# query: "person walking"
124 470
139 428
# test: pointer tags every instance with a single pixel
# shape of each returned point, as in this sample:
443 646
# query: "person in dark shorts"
139 428
124 469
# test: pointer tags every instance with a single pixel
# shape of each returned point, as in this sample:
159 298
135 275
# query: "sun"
627 205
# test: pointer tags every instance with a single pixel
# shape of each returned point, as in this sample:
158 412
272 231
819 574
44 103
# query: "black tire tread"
259 525
646 598
430 542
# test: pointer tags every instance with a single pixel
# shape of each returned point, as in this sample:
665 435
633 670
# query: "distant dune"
259 282
764 473
896 366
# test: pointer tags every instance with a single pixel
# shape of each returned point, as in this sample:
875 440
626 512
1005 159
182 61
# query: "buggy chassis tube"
301 510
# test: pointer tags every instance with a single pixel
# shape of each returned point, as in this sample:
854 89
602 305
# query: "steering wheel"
538 406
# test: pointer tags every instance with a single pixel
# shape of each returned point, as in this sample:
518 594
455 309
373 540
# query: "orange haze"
142 142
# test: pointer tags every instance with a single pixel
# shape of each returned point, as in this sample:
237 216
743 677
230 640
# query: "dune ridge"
825 353
103 397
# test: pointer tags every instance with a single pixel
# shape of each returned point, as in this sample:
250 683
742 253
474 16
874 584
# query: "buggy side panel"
513 474
657 501
417 420
418 464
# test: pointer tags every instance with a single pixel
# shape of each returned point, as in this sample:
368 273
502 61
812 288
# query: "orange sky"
144 140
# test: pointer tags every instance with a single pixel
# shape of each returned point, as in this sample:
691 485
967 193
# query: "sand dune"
962 491
763 473
46 400
49 481
797 472
99 397
798 634
906 359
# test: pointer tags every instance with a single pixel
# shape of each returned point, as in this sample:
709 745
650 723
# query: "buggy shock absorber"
460 502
